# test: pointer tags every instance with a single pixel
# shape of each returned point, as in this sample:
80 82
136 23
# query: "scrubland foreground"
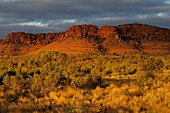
51 82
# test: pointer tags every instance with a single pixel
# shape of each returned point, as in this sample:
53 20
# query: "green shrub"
154 64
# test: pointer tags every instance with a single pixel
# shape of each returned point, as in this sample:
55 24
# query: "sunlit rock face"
108 32
81 31
128 37
144 32
128 31
28 38
125 32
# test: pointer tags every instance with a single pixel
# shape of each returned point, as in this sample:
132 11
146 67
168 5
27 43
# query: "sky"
36 16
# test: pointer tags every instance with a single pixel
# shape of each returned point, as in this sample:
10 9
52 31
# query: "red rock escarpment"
28 38
125 32
127 36
81 31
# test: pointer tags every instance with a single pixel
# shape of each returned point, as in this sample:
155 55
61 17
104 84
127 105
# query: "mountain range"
91 39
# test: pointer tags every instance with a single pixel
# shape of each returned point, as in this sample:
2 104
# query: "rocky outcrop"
144 32
81 31
133 32
108 32
32 39
127 36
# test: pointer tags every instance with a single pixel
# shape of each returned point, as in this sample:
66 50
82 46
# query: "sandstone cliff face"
108 32
81 31
144 32
28 38
124 32
131 32
129 36
85 31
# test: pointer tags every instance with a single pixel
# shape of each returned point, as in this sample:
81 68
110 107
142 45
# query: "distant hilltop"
122 38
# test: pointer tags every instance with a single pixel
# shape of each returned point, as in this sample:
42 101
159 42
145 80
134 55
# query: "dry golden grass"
111 98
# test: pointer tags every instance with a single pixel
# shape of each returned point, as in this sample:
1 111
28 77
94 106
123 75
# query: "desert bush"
145 78
37 86
125 68
154 64
86 68
87 81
